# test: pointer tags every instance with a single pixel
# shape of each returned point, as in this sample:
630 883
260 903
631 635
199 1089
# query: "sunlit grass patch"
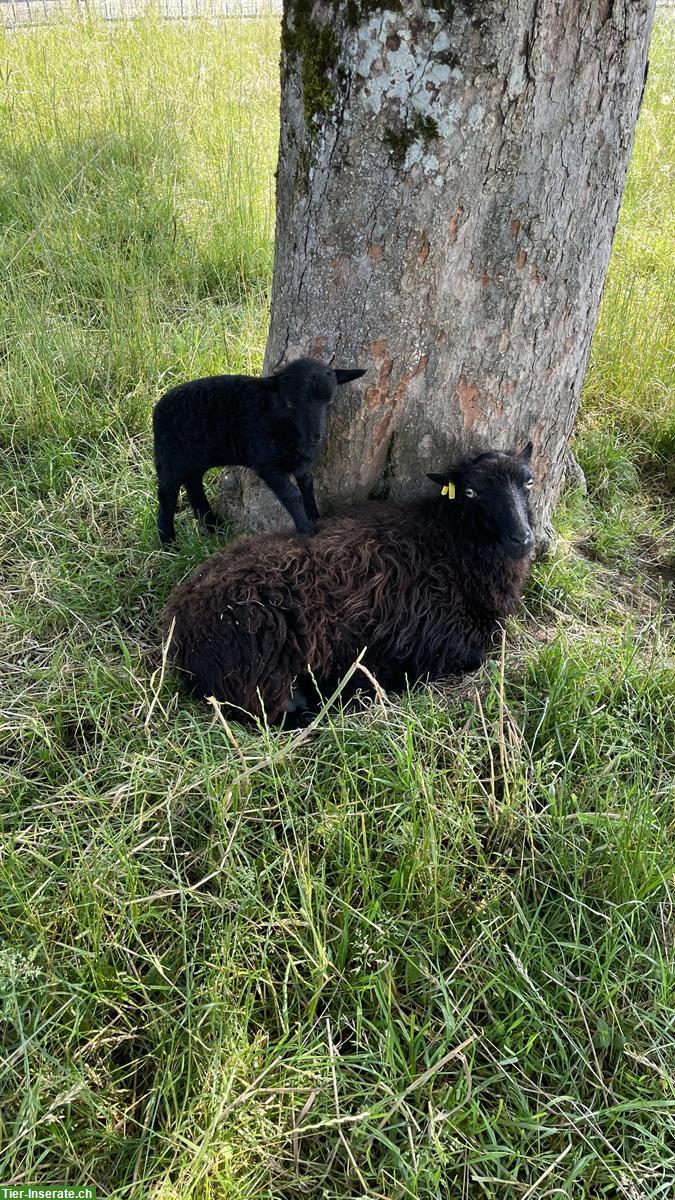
136 193
629 384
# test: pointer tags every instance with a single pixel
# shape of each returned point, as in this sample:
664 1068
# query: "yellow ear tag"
449 490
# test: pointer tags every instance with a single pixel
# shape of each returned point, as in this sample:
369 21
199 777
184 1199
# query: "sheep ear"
526 454
443 479
347 376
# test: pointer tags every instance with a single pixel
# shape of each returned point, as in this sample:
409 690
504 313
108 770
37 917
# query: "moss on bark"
316 47
400 140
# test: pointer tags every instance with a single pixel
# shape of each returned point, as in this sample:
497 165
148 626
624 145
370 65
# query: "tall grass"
427 953
137 202
630 387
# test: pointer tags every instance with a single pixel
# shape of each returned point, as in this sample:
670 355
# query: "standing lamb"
274 425
422 585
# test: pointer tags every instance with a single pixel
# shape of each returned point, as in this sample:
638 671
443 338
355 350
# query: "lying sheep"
275 425
422 585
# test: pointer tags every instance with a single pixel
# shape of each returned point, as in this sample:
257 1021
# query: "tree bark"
448 188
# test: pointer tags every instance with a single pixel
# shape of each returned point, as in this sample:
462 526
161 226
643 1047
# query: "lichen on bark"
316 47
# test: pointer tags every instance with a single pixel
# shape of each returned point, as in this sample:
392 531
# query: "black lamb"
423 585
275 425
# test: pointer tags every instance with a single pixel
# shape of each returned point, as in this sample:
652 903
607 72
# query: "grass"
428 953
626 434
631 370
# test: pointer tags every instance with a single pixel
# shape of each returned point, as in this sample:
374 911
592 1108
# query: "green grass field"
430 952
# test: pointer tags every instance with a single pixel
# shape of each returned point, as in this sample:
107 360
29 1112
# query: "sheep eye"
469 493
529 484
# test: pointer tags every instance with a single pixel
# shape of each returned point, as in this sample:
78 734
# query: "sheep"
423 585
275 425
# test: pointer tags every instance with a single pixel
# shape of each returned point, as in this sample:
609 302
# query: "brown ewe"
423 585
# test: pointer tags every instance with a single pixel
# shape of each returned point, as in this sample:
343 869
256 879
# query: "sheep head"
489 496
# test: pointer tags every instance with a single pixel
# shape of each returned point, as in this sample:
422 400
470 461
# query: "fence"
22 12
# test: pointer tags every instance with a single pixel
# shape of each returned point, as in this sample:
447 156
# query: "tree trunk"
448 188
